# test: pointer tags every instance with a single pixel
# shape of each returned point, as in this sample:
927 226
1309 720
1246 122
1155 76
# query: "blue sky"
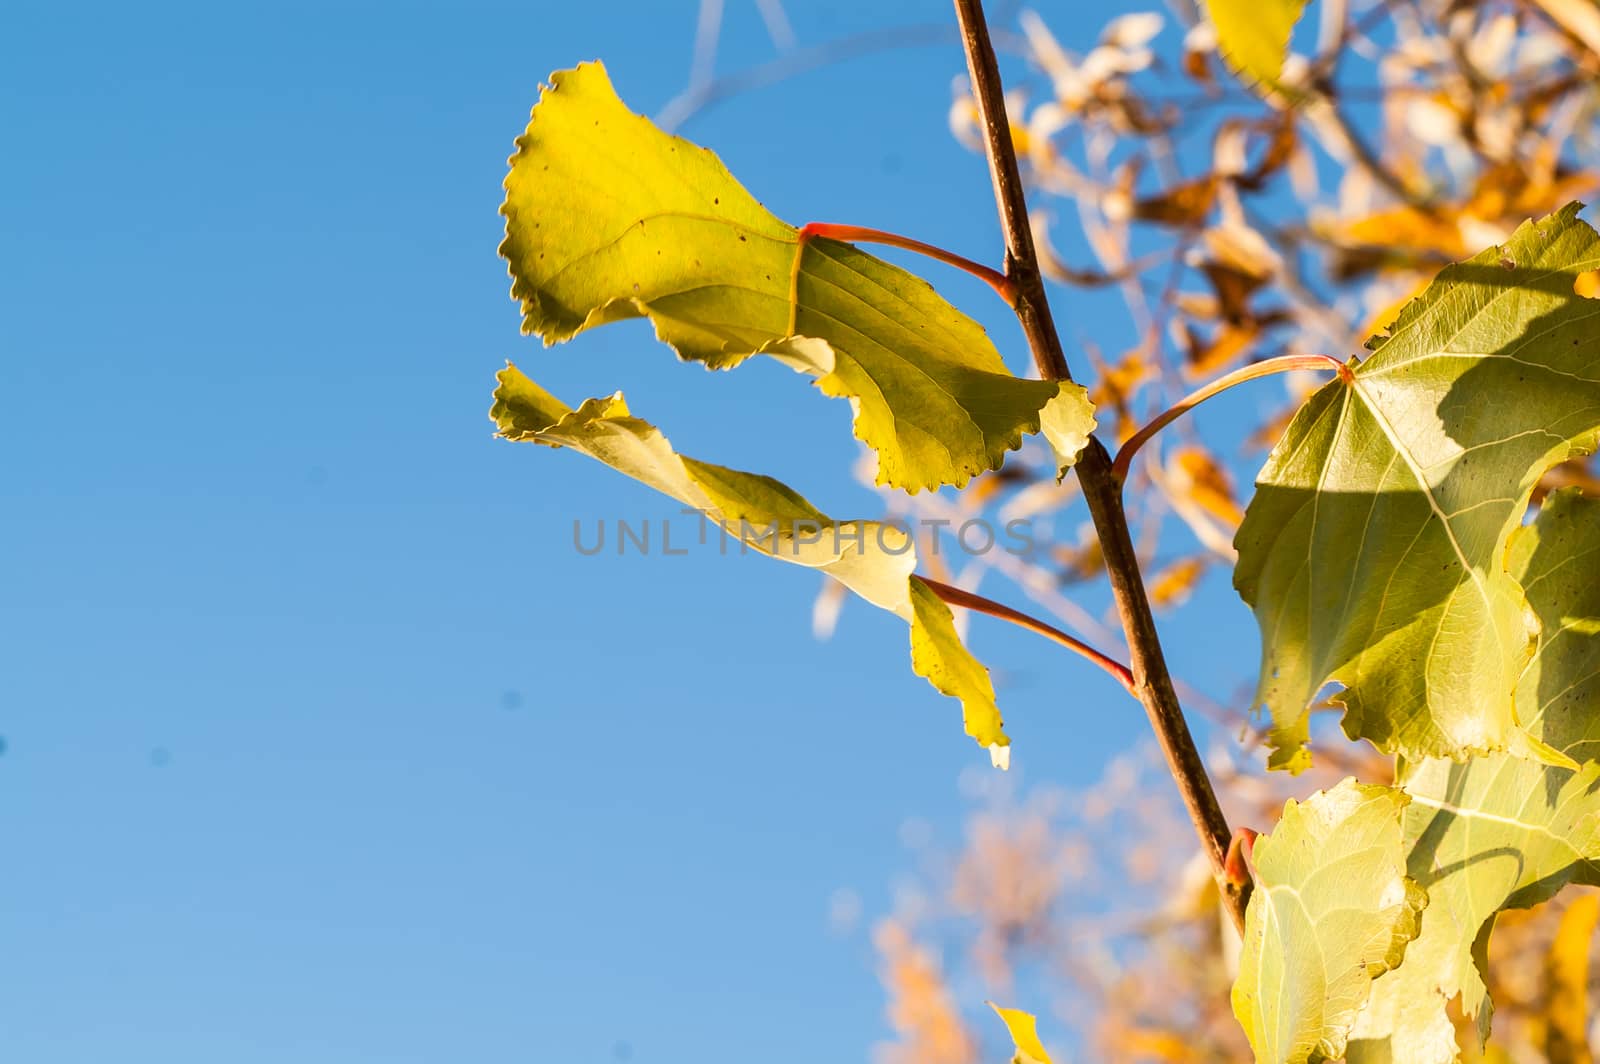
321 742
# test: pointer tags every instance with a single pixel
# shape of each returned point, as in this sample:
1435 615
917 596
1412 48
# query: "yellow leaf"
1332 911
1206 482
1253 35
1170 1046
1173 585
1229 344
610 218
1116 387
1408 228
1024 1030
876 561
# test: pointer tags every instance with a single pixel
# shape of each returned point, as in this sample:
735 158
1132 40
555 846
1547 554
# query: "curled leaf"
608 217
875 560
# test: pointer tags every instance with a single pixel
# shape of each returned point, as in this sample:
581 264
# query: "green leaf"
1332 910
1373 552
1253 35
874 560
1024 1030
1500 831
607 218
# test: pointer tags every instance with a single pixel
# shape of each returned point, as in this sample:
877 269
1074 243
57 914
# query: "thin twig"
777 23
698 96
707 33
862 235
1264 368
1323 69
955 596
1152 682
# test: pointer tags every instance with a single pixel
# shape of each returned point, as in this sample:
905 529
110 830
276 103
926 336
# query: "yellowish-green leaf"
1253 35
607 218
1024 1030
1497 832
1500 831
877 561
1066 423
938 654
1332 910
1373 552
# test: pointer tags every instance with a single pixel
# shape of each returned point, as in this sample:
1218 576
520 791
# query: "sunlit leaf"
1024 1030
1501 831
1116 386
607 218
1373 551
1172 586
938 654
1497 831
1411 237
1202 480
1206 356
874 560
1407 228
1332 910
1253 35
1173 1047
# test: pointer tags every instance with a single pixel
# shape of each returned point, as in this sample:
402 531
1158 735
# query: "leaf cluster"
1402 547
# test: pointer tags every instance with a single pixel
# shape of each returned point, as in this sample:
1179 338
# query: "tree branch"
1152 682
698 96
860 234
1254 371
969 600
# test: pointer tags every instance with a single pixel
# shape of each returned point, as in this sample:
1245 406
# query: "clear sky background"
321 743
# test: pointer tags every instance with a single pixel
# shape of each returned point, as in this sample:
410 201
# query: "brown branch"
969 600
1152 682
